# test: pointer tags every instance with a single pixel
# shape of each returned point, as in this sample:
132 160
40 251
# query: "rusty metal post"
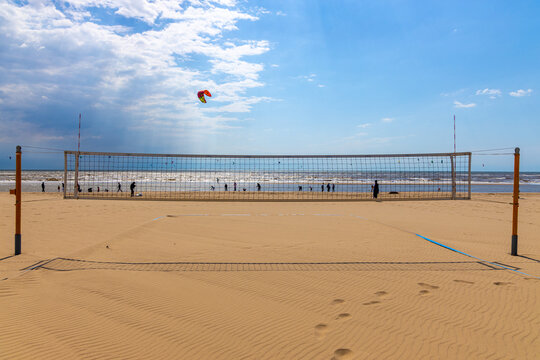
515 204
18 193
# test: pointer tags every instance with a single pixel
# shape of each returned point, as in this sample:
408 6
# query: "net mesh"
272 178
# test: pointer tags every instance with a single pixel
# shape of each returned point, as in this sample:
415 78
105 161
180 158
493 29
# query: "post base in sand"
17 244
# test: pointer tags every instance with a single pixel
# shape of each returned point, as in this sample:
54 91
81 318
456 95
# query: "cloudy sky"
298 77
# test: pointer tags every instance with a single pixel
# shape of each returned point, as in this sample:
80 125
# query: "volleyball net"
101 175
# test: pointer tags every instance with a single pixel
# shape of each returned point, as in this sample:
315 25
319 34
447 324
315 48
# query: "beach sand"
113 279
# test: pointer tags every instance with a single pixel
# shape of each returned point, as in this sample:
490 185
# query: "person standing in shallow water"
375 189
43 186
132 188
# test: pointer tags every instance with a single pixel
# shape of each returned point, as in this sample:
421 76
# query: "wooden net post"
453 164
515 204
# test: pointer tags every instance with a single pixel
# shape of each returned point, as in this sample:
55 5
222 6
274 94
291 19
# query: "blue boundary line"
474 257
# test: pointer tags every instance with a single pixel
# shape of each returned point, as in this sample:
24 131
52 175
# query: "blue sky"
287 77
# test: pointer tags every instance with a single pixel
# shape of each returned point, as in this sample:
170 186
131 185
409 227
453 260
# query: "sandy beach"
114 279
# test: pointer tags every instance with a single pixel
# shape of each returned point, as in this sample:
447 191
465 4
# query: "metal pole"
515 204
453 163
76 184
470 158
65 175
18 192
454 134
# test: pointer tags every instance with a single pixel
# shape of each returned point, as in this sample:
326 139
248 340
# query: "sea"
196 180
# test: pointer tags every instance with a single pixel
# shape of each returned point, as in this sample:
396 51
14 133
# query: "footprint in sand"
343 316
373 302
321 330
427 286
502 283
342 354
463 281
337 301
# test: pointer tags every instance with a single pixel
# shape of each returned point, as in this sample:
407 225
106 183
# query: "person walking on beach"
62 186
322 188
119 189
258 187
333 187
234 186
58 188
226 187
299 188
43 186
132 188
375 190
328 187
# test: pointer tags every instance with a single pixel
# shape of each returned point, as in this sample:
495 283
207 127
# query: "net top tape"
72 152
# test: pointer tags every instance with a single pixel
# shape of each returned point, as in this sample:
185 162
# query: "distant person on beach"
79 188
132 188
212 187
375 189
226 187
311 188
62 186
328 187
258 187
43 186
217 179
234 186
333 187
58 188
119 189
299 188
98 189
322 188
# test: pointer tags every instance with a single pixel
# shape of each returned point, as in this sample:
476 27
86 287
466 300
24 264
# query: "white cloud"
460 105
355 136
492 93
363 126
274 65
280 13
387 119
72 56
521 92
321 85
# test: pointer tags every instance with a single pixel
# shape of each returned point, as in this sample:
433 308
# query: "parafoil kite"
201 94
